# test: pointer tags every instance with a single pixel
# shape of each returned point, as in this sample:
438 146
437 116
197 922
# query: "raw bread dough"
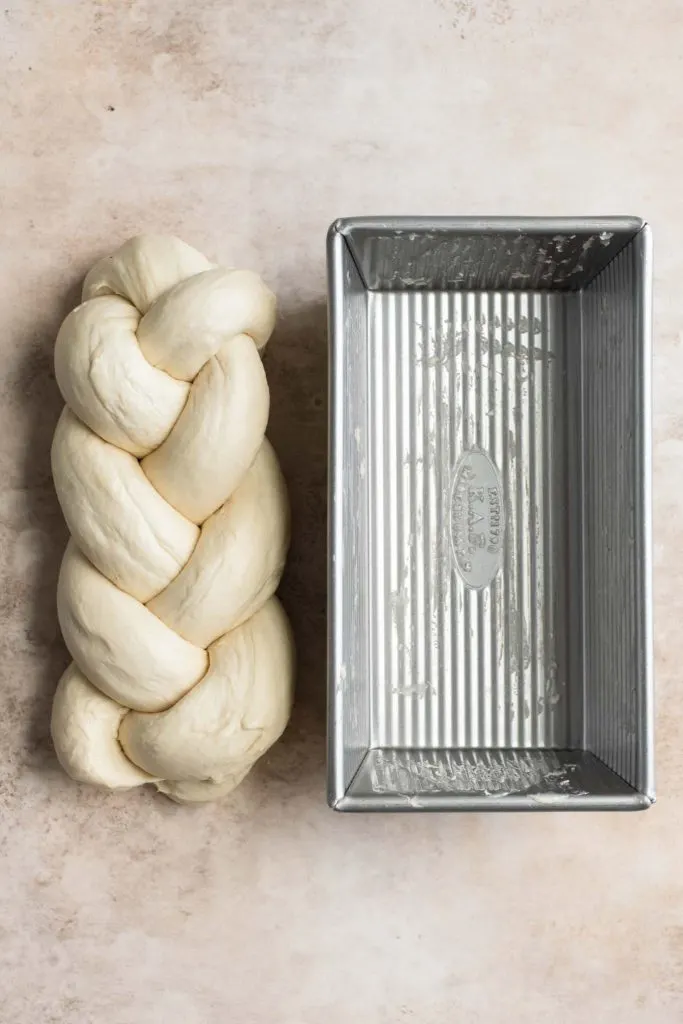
183 658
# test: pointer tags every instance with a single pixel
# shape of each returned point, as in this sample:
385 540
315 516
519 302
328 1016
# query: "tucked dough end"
85 726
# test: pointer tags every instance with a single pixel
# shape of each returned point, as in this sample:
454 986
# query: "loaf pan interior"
490 636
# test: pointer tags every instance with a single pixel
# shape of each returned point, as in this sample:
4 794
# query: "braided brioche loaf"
183 660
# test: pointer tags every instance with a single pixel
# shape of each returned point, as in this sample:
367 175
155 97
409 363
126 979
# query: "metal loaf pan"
490 598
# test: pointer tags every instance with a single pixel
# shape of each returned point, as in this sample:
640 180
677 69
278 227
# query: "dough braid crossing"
183 660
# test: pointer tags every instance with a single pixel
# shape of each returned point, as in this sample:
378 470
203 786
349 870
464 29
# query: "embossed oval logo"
477 519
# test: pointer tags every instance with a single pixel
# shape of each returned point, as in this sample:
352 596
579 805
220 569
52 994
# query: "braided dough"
183 658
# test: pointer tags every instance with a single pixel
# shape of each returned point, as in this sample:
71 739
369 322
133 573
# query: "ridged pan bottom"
472 482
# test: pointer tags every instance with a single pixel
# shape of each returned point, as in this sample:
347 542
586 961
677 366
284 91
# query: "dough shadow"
39 513
296 364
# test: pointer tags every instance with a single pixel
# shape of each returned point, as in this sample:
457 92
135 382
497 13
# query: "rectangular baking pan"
490 637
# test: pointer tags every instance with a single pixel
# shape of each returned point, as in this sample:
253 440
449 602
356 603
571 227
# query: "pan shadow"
296 364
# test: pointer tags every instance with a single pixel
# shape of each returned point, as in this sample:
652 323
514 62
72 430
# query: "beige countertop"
246 128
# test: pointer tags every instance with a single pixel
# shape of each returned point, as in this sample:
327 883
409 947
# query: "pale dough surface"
183 658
